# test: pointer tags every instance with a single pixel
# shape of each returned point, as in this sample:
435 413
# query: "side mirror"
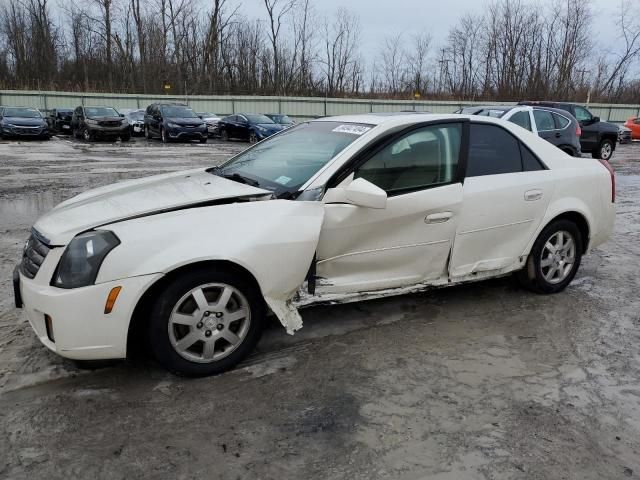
363 193
595 119
121 115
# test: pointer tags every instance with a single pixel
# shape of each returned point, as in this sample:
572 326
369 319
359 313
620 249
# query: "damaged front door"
364 247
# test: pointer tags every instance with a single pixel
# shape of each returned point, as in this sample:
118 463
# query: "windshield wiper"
236 177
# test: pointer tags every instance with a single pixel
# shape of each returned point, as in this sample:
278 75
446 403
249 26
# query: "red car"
633 124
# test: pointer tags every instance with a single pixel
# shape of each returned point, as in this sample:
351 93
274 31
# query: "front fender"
275 240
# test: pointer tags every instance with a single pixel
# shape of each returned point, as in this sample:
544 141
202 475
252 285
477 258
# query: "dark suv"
59 120
597 137
174 121
92 123
23 122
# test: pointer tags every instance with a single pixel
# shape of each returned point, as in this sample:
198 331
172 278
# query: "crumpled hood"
133 198
25 122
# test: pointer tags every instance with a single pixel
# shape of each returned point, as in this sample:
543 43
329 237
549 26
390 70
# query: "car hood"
603 126
139 198
107 118
27 122
272 127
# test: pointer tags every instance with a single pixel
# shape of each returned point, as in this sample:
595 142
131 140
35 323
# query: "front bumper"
187 133
80 328
104 132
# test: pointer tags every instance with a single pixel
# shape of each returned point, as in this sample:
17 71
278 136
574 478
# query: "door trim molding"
496 226
350 254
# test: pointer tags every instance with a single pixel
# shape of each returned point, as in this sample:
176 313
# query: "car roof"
558 111
384 118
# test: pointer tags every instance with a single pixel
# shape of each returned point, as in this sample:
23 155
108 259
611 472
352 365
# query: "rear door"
506 193
408 241
546 125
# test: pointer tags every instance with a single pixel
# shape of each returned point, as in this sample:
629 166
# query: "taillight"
578 131
608 166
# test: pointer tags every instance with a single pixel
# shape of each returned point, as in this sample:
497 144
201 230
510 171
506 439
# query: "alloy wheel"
606 150
209 322
558 257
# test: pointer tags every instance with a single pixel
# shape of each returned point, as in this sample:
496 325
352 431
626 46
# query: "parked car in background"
556 126
211 119
136 121
59 120
598 138
633 124
281 119
248 126
105 123
23 122
624 134
193 261
174 121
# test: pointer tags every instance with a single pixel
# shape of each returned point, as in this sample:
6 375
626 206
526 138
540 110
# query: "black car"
136 122
59 120
92 123
556 126
281 119
23 122
174 121
248 126
598 138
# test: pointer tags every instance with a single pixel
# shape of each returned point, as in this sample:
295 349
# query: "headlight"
82 258
173 125
91 121
261 128
125 122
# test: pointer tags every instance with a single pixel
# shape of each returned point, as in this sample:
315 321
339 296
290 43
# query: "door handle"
441 217
558 135
532 195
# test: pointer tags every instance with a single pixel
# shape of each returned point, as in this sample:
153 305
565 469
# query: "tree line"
515 49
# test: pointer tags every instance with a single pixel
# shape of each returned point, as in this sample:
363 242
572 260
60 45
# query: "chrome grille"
34 254
110 123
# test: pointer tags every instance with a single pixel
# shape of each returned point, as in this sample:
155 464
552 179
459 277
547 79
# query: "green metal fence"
297 107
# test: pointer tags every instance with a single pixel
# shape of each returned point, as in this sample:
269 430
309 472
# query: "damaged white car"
328 210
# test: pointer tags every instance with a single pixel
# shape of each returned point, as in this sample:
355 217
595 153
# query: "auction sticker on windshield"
282 180
352 129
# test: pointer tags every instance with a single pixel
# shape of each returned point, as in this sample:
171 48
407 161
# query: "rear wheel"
205 322
203 140
554 259
163 135
604 150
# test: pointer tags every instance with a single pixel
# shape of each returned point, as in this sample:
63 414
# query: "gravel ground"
483 381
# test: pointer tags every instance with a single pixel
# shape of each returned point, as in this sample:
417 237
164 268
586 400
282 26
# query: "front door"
506 193
409 241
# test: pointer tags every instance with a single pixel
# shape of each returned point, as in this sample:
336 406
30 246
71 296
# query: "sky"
380 18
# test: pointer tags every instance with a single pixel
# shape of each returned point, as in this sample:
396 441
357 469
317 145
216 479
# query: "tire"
224 135
253 138
184 349
203 140
163 135
537 274
604 150
147 133
87 135
125 138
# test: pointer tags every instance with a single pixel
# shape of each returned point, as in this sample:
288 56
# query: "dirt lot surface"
484 381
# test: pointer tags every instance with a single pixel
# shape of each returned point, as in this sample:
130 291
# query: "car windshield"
287 161
178 112
207 115
137 115
22 113
258 119
100 112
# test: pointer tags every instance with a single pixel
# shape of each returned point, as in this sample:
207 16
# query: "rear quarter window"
492 151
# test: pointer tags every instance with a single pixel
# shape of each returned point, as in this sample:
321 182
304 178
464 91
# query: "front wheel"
604 150
163 135
87 135
205 322
224 135
253 138
203 140
554 259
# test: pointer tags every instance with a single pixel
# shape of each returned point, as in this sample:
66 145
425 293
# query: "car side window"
561 122
522 119
544 120
420 159
582 114
492 151
530 162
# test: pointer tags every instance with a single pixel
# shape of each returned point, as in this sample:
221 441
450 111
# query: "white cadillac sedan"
329 210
